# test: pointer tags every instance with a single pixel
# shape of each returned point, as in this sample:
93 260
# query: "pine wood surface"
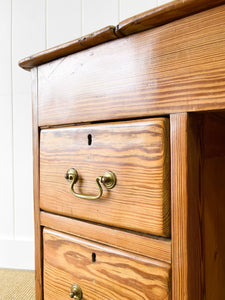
178 211
152 18
36 190
136 151
174 68
113 275
214 228
152 247
186 207
214 205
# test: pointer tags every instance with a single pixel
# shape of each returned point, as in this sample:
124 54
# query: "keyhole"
93 257
89 139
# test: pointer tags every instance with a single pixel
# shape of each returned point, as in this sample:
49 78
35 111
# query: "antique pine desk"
146 101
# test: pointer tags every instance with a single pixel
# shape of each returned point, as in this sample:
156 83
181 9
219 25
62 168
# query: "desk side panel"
36 191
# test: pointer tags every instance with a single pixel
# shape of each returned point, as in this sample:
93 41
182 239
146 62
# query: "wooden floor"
16 284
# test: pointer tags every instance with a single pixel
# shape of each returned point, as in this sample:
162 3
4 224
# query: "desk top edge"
147 20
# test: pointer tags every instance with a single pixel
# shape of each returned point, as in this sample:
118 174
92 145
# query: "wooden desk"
145 100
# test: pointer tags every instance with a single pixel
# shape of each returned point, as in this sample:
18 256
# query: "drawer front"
137 152
101 272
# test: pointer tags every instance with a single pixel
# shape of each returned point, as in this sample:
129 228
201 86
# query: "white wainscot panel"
5 49
161 2
6 169
23 179
6 166
63 21
98 14
16 254
129 8
28 36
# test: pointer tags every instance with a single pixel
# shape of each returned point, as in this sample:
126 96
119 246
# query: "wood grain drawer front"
137 152
101 272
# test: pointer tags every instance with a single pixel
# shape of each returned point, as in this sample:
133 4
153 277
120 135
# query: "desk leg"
186 207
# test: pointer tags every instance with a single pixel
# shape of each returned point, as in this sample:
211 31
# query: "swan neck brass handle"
76 292
108 180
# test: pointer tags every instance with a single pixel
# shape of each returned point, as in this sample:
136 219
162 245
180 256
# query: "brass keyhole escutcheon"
76 292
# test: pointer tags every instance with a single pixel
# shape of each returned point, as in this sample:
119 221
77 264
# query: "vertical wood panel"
6 169
28 36
63 21
97 14
186 207
129 8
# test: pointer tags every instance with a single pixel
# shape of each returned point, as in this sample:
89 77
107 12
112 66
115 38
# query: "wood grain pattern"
214 205
136 151
152 18
36 192
164 14
174 68
98 37
186 207
155 248
114 274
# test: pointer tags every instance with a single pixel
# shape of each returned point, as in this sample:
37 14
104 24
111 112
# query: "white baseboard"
17 254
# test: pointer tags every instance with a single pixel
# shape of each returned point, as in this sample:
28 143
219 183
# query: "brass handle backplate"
108 180
76 292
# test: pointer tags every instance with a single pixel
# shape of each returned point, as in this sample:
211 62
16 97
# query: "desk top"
150 19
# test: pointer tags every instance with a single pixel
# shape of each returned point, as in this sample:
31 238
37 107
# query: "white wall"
26 27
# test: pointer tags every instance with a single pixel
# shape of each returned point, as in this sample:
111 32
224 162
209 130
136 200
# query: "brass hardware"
76 292
108 180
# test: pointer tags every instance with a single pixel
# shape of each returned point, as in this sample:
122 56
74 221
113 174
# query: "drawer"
136 151
101 272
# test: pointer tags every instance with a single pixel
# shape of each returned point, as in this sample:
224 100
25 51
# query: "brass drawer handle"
108 180
76 292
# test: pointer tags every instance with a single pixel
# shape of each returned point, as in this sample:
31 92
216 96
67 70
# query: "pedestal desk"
129 158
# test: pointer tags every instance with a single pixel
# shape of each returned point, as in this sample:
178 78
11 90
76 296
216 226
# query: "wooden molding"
98 37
